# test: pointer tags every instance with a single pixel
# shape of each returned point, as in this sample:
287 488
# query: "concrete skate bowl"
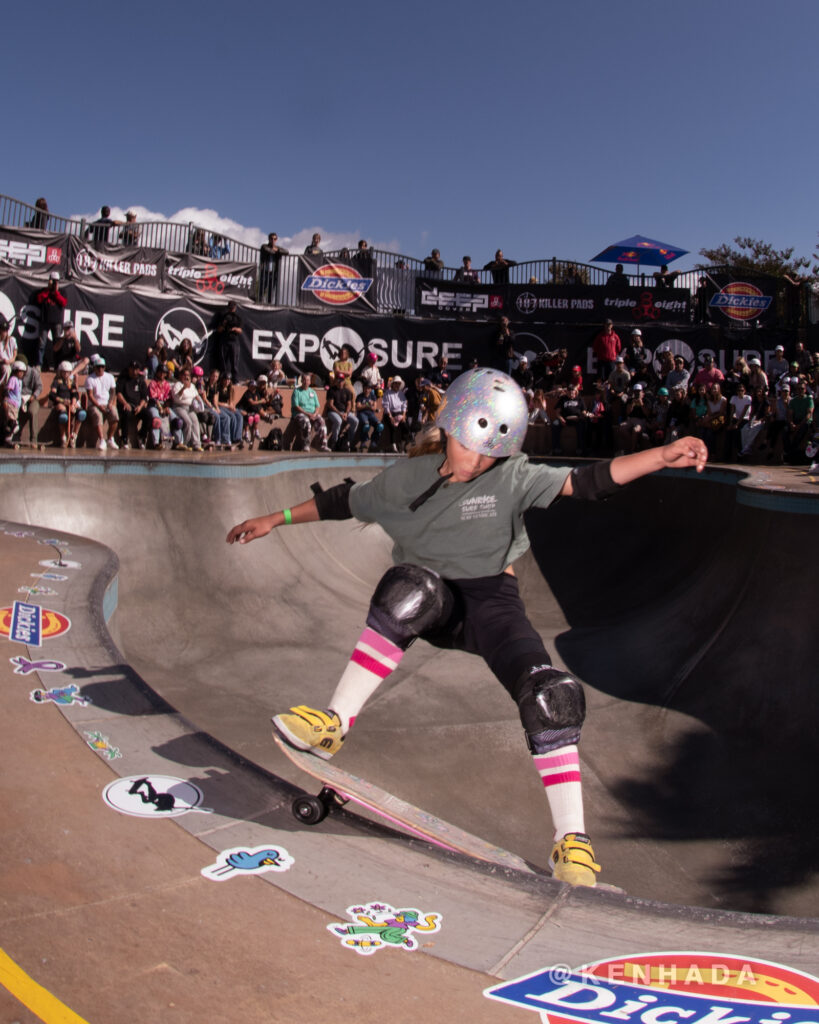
678 602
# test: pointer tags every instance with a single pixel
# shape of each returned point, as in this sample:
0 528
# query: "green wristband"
288 516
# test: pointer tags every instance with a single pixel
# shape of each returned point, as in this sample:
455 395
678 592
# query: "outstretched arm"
684 452
260 526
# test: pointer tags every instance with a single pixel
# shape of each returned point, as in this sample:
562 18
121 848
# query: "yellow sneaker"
318 732
573 860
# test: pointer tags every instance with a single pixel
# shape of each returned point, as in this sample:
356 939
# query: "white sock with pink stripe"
559 771
373 659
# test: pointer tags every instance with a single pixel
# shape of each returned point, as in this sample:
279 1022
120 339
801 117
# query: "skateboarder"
454 510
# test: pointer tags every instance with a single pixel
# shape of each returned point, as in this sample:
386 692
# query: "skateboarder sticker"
378 925
64 695
155 796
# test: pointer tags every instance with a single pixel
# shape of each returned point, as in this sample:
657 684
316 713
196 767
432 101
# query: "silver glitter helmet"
486 412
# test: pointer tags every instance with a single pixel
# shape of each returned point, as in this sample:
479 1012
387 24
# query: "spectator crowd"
634 401
167 401
638 400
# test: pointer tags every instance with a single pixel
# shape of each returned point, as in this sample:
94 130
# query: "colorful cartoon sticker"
64 695
100 743
24 667
154 796
18 533
243 861
377 925
37 591
649 987
55 576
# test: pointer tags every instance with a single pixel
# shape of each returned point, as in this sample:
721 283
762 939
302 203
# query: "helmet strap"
419 501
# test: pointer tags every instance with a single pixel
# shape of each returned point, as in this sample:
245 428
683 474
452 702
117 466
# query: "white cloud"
212 221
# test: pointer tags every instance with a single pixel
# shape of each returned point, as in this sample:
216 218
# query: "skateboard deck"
340 787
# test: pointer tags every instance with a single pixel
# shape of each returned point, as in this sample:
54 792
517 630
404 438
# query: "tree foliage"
754 256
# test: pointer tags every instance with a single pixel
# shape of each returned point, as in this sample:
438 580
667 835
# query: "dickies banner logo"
30 624
667 988
740 300
337 284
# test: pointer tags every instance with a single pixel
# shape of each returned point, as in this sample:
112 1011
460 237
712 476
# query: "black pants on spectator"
267 286
794 439
142 420
396 434
772 434
229 358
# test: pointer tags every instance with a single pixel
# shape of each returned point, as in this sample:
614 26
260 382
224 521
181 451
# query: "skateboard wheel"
309 810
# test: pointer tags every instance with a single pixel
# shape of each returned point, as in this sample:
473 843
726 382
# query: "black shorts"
489 619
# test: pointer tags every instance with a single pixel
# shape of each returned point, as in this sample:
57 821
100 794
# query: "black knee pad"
408 601
552 708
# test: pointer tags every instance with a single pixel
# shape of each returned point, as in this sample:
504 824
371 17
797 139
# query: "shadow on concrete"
703 607
121 690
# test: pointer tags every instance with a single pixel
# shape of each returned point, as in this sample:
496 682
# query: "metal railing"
14 214
169 235
396 273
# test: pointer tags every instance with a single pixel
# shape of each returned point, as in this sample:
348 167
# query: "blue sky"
542 128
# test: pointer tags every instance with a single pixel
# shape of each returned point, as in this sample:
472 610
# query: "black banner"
641 306
209 278
116 266
434 297
36 253
552 303
122 324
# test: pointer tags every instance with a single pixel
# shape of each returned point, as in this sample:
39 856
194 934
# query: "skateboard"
340 787
17 445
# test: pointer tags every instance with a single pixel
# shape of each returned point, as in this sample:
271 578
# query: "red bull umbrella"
639 249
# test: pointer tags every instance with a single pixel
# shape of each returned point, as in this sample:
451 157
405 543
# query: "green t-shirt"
464 530
801 407
305 400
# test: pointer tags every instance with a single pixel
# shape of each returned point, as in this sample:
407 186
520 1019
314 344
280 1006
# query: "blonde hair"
429 441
